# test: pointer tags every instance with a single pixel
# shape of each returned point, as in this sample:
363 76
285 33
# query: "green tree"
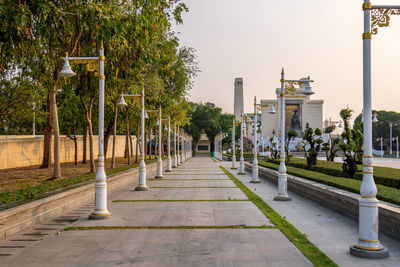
314 140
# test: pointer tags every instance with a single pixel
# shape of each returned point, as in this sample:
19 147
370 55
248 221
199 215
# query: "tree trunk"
114 133
85 134
131 143
107 135
137 140
88 115
127 138
57 165
47 140
150 145
76 151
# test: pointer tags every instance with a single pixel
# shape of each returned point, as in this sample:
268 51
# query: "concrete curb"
336 199
21 217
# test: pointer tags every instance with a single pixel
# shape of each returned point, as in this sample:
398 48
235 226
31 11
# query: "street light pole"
100 212
142 166
391 137
178 159
234 146
183 148
282 177
175 159
241 165
368 244
159 160
397 146
169 167
255 179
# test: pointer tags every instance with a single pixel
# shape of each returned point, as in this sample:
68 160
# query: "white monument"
300 111
238 102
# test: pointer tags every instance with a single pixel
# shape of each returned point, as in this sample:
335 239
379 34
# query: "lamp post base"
255 181
234 168
168 170
99 216
279 198
159 176
241 173
371 254
142 188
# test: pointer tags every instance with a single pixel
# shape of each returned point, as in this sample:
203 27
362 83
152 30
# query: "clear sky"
253 39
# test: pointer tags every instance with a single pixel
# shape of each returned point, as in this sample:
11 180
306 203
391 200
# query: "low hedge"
385 193
383 175
21 196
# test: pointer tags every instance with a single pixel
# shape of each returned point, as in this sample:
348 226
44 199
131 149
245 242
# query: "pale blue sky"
253 39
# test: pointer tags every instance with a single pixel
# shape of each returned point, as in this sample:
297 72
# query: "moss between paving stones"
183 179
193 174
385 193
88 228
309 250
178 200
214 160
22 196
193 187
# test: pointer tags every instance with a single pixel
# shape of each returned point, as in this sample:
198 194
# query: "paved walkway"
330 231
160 227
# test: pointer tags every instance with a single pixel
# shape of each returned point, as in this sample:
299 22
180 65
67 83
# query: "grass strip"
309 250
194 174
385 193
193 187
214 160
88 228
179 200
200 179
22 196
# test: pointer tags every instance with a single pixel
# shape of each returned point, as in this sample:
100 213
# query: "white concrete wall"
312 113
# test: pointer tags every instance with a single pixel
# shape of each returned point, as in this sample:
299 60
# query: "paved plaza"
195 216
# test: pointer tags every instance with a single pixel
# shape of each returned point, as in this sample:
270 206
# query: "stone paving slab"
182 214
330 231
193 183
180 194
163 247
222 247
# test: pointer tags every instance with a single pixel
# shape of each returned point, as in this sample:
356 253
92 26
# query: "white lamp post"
175 165
397 145
282 177
241 164
255 179
169 166
178 158
368 244
255 161
391 137
159 160
100 212
380 139
183 148
142 166
234 146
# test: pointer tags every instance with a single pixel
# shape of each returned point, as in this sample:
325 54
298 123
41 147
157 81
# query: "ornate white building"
300 110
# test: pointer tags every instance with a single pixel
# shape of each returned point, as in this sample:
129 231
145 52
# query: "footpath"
194 216
330 231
